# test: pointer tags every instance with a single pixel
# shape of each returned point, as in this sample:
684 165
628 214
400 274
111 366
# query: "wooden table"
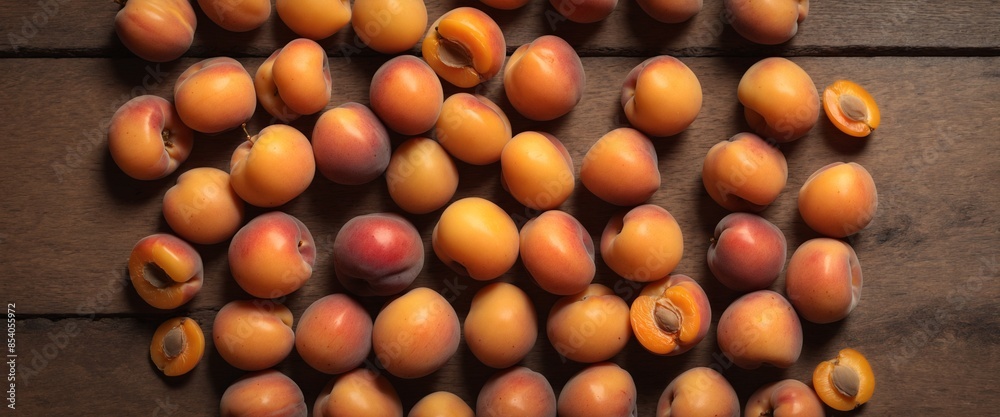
927 320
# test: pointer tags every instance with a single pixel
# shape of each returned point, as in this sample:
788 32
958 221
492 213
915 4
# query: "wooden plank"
966 27
926 320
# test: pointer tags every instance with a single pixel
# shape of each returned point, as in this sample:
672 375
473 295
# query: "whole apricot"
744 173
253 334
838 200
334 334
314 19
747 252
697 392
760 327
389 26
603 389
272 255
301 73
824 280
501 327
516 391
661 96
767 22
351 145
237 16
441 404
147 139
268 393
377 254
421 176
643 244
544 79
472 128
537 170
361 392
780 101
272 167
558 252
590 326
416 334
406 95
214 95
789 397
156 30
203 207
476 238
671 11
621 168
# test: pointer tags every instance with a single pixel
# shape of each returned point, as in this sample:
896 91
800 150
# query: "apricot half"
166 271
465 47
851 108
177 346
671 315
845 382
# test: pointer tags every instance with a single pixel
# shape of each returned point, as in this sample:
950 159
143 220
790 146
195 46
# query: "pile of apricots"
381 254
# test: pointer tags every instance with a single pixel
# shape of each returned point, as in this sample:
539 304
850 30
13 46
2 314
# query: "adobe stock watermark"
78 151
32 25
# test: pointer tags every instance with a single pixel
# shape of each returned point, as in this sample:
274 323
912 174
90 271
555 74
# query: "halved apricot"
851 108
670 316
177 346
844 382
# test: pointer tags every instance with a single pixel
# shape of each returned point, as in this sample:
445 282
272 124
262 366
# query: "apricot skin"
334 334
174 259
377 254
441 404
266 392
839 199
744 173
406 95
501 327
156 30
780 100
681 297
237 16
472 128
203 207
544 79
516 391
476 238
253 334
824 280
643 244
147 139
671 11
537 170
558 252
760 327
465 47
214 95
621 168
768 22
421 176
272 255
389 26
314 19
273 167
302 76
747 252
590 326
661 96
785 398
361 392
350 144
698 392
603 389
416 334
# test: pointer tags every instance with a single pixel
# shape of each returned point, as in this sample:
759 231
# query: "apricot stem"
666 315
247 132
846 380
174 341
156 276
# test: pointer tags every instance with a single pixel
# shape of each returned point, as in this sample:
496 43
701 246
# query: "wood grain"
928 315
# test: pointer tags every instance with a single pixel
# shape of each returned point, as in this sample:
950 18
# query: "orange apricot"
851 108
465 47
671 315
177 346
845 382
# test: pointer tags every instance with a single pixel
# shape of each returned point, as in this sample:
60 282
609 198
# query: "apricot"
476 238
416 334
314 19
590 326
272 255
465 47
744 173
786 398
558 252
203 207
165 271
406 94
501 327
767 22
272 167
377 254
838 200
441 404
846 381
514 392
671 316
389 26
177 346
747 252
661 96
421 176
350 144
603 389
301 74
537 170
505 4
214 95
237 16
824 280
621 168
156 30
780 101
696 392
760 327
253 334
267 91
361 392
334 334
851 108
544 79
643 244
147 139
267 393
671 11
584 11
472 128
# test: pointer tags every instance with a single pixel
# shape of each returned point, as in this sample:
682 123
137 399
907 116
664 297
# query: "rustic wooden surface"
928 316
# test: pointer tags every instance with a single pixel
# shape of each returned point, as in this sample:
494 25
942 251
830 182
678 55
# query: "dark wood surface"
928 319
